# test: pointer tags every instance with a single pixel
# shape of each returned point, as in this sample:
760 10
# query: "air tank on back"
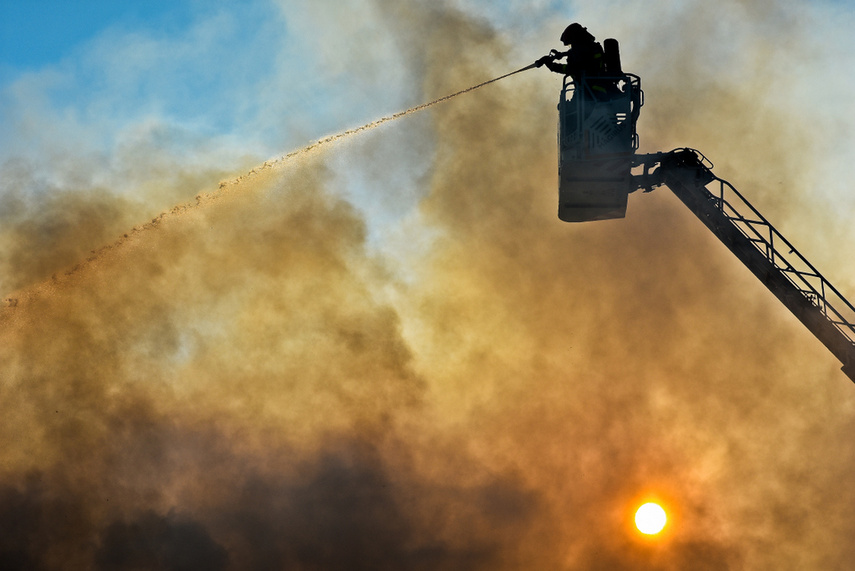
597 141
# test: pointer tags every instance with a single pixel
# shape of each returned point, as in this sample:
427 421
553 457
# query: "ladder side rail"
822 293
687 179
826 296
765 242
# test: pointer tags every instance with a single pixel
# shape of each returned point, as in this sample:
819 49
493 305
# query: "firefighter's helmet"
576 33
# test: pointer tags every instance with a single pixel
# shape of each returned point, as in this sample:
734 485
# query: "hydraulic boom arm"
763 250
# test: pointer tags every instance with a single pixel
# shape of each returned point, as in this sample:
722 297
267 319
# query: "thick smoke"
245 383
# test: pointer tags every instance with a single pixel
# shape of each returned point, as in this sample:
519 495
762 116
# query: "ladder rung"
738 217
801 273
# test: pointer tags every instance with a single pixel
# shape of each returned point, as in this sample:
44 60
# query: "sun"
650 518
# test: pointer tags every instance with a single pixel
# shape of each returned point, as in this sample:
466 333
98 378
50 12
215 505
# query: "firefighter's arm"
544 61
551 64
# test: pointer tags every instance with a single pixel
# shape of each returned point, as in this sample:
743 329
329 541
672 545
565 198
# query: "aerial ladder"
599 167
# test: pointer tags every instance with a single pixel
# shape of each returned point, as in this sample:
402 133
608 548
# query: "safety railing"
573 111
782 254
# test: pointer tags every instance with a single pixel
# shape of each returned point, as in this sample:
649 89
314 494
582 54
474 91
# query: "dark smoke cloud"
341 508
244 383
159 542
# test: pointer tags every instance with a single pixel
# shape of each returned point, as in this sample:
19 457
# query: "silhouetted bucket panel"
594 189
596 144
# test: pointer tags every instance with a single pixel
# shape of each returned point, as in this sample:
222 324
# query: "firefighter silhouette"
584 61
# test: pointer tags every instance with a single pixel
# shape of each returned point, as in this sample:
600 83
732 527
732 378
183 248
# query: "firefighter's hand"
543 60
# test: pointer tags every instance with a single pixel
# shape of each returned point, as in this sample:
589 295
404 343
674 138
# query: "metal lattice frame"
784 256
760 247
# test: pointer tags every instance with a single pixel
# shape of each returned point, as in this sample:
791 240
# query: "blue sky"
119 94
113 63
210 53
36 33
255 77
